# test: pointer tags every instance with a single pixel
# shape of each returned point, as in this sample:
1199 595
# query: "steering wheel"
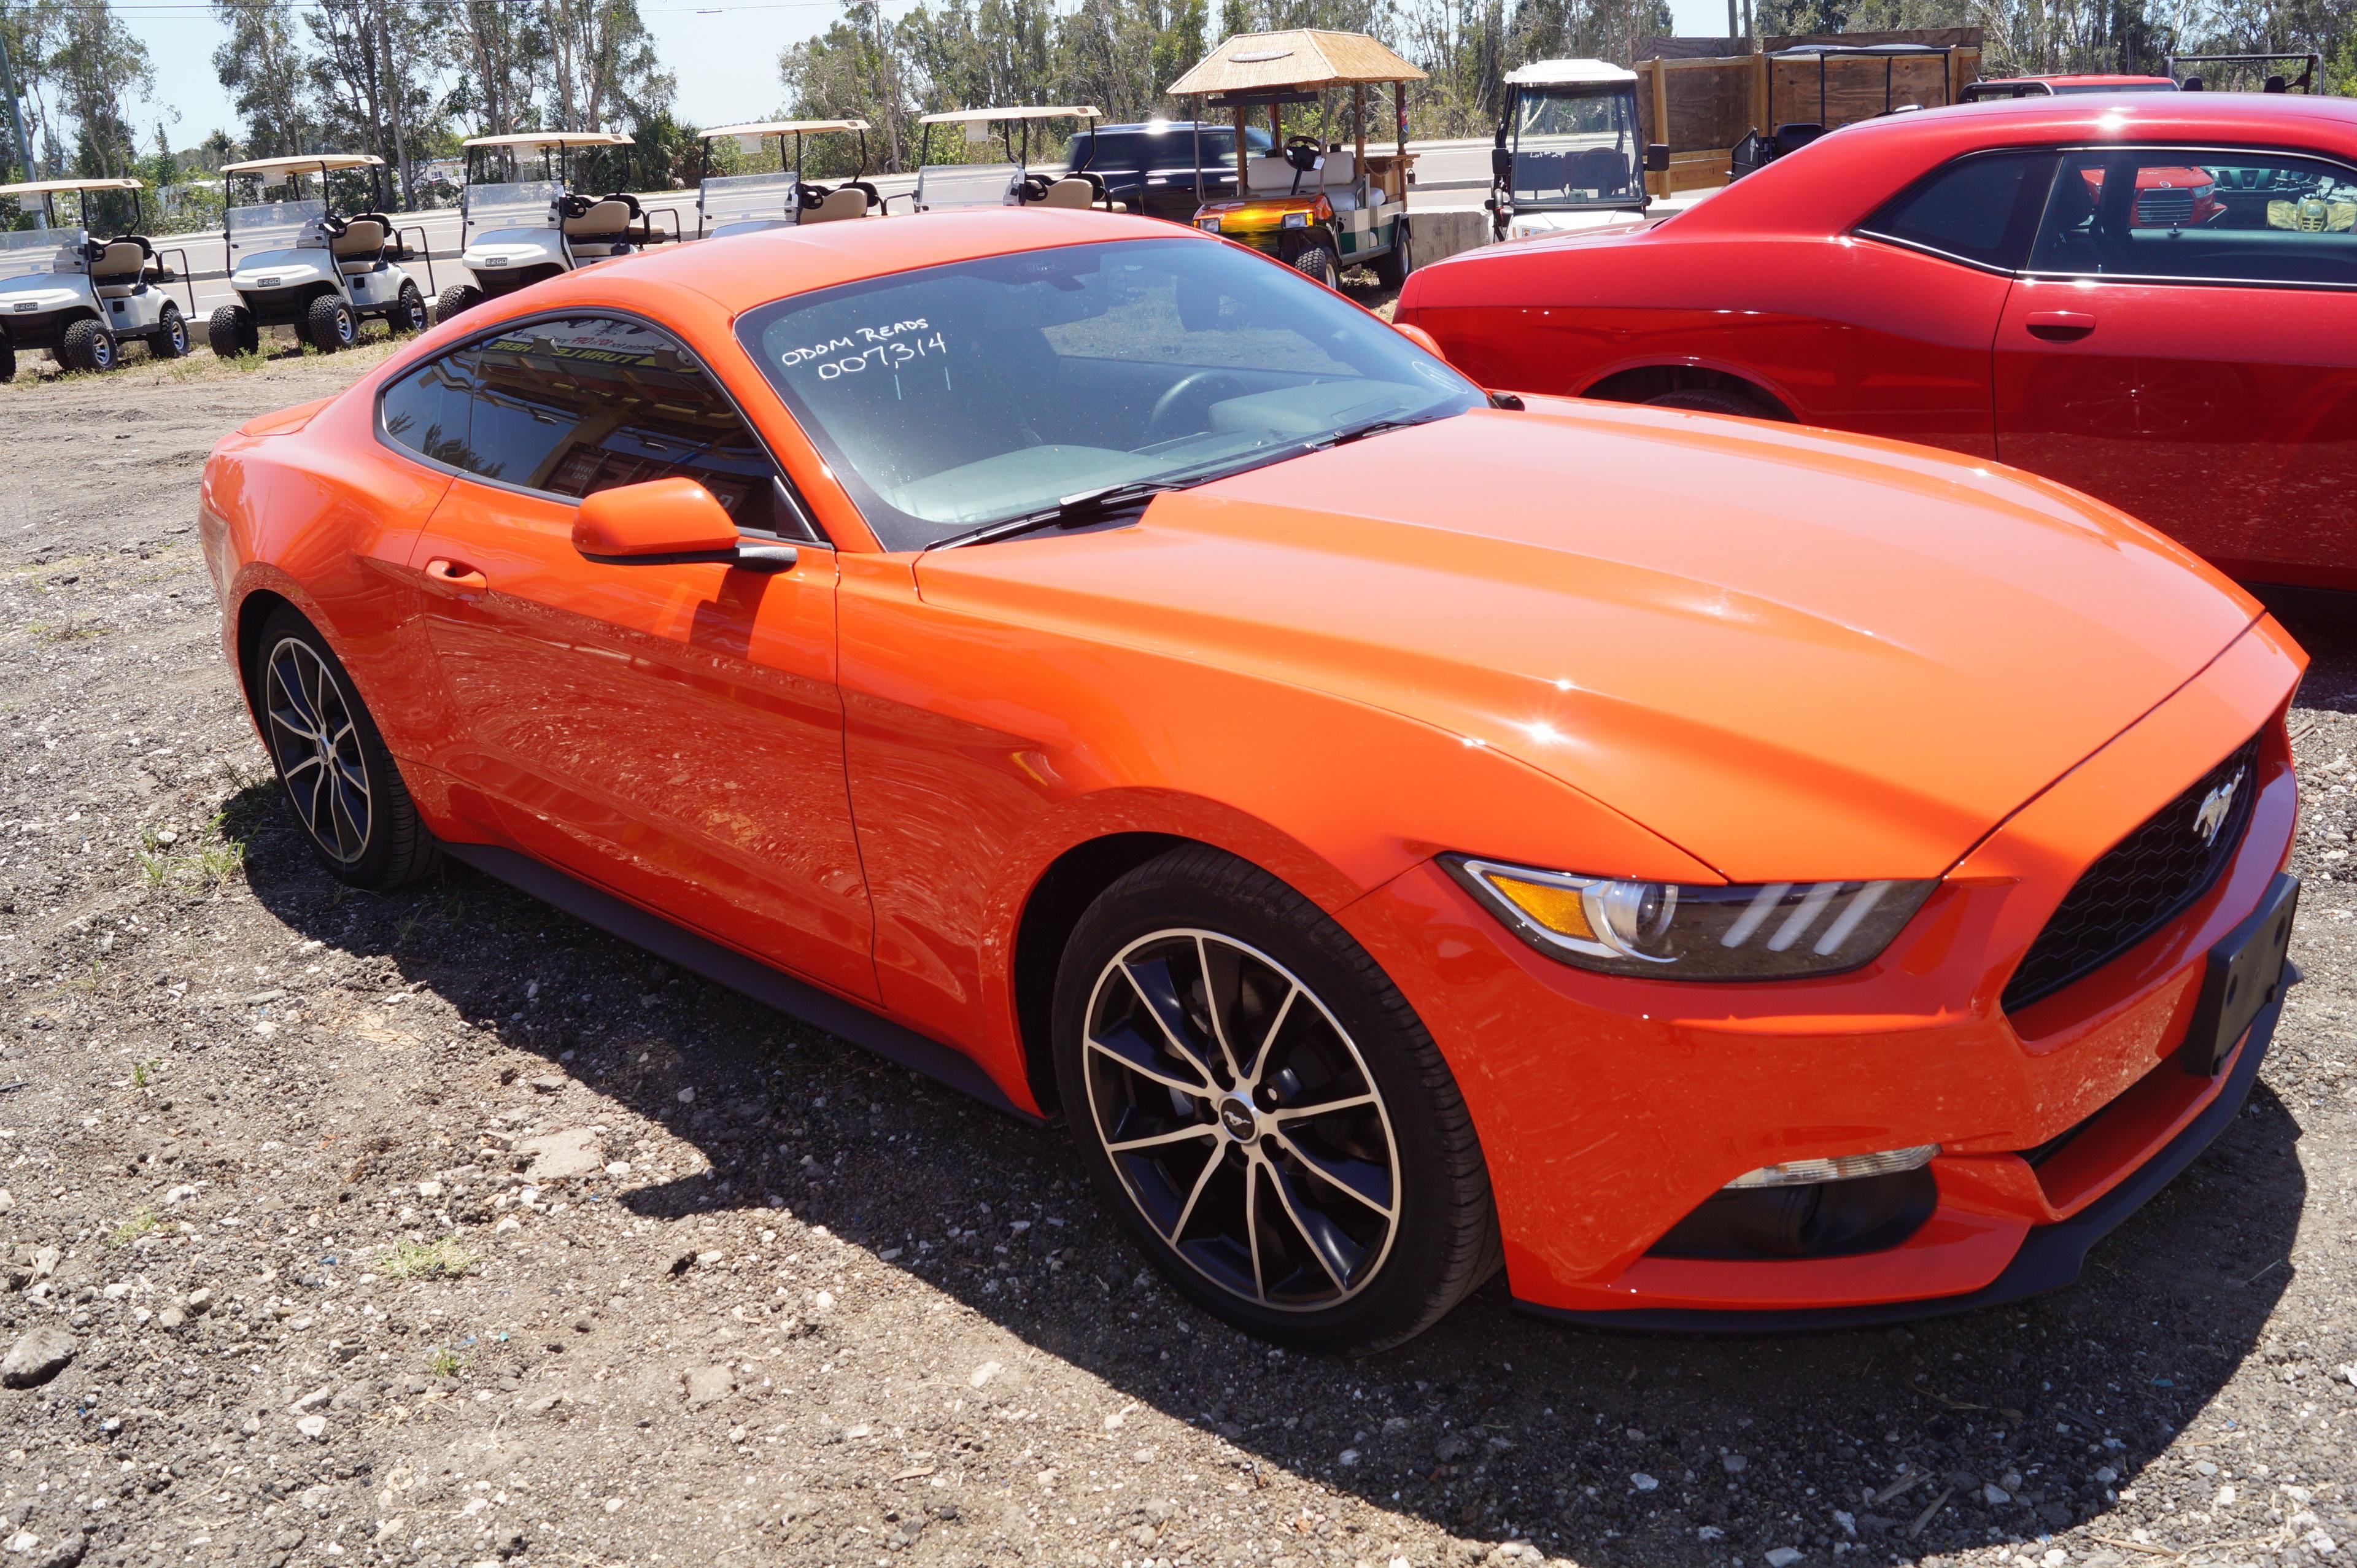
1035 187
808 197
1191 396
332 225
1303 153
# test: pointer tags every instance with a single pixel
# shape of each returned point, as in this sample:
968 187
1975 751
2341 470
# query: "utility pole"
17 123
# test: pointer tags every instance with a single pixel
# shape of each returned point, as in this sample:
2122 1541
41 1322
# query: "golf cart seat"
121 267
359 246
594 228
1794 134
844 201
1338 181
1271 174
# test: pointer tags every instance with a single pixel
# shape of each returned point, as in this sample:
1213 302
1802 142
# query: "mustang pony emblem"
2214 807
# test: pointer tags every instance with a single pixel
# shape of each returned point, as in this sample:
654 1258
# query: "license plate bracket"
2241 976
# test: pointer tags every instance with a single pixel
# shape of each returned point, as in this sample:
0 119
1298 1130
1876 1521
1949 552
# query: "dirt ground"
438 1229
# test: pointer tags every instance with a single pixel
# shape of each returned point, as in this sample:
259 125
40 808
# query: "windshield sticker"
884 347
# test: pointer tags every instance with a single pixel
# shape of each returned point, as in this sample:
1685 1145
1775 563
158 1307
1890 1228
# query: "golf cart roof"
550 139
1858 51
970 116
320 161
785 128
1303 58
1567 73
50 187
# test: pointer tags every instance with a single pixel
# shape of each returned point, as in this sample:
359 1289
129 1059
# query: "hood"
1793 655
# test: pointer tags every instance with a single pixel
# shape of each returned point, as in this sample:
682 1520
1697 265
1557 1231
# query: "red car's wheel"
1266 1111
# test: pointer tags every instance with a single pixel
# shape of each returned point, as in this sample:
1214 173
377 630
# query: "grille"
2141 884
2164 209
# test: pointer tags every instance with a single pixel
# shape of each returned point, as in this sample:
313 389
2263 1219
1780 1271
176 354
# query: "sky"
725 54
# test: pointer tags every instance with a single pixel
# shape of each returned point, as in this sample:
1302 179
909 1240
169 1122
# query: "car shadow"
2325 624
1609 1447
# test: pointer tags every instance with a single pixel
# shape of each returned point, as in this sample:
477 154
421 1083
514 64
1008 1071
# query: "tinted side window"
2177 216
1979 209
577 404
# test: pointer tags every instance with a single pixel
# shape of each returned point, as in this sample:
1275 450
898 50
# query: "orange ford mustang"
1721 873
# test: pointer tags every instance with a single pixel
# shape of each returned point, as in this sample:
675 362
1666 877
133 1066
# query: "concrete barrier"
1444 231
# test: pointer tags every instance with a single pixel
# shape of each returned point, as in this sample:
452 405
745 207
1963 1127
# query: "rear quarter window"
1981 209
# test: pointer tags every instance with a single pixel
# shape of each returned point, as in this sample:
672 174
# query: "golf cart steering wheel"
808 197
573 205
1191 396
1303 153
1035 187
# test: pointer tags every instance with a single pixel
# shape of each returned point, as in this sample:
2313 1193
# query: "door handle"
453 578
2060 326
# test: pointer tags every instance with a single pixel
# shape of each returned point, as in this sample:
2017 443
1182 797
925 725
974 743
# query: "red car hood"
1710 625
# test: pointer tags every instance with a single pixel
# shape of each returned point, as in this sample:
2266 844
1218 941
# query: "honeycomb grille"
2141 884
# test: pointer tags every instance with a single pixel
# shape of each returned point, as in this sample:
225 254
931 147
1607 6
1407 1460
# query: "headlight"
1774 930
1296 220
1211 225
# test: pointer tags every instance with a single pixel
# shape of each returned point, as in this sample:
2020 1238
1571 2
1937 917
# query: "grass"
446 1362
217 857
66 630
442 1260
131 1229
144 1073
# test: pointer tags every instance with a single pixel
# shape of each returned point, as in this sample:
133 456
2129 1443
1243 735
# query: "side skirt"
771 987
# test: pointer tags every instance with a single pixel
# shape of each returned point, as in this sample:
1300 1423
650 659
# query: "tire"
231 331
456 300
408 311
1714 399
88 346
7 360
1318 263
1206 1184
1393 267
328 326
339 781
170 338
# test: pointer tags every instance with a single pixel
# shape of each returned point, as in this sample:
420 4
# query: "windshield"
959 395
1170 148
2074 87
1576 146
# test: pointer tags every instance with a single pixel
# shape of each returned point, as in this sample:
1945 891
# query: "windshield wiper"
1374 427
1080 507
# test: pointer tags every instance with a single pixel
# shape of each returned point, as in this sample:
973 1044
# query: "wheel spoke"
1203 1179
1367 1183
1295 1112
1169 1016
1251 1225
278 717
1324 1239
1134 1055
1268 1040
1158 1140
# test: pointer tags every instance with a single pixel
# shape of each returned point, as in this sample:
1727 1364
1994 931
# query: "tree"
501 50
606 71
261 64
859 69
370 74
97 63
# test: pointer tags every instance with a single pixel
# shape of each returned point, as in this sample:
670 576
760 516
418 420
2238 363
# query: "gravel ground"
437 1227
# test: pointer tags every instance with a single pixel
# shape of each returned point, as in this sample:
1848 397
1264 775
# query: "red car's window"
1980 209
2174 216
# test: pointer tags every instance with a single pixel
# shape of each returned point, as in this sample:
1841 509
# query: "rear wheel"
408 310
7 360
231 331
1265 1111
1714 399
170 338
456 300
328 326
1393 267
339 781
88 346
1318 263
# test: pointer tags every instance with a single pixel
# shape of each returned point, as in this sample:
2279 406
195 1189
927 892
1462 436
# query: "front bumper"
1610 1109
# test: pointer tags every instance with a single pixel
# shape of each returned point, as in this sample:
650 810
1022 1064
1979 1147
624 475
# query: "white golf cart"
1570 154
947 187
78 297
517 231
780 198
310 247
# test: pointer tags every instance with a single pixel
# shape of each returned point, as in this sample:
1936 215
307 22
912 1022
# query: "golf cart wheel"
88 346
328 326
1318 263
1394 265
340 781
458 299
408 310
1262 1109
1713 400
232 331
170 338
7 360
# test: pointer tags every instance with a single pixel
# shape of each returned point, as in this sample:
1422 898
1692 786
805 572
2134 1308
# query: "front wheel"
1318 263
170 338
7 360
328 326
1394 265
1713 400
339 781
408 310
1265 1111
232 332
456 300
88 346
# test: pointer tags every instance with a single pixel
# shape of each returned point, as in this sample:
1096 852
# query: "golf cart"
1990 88
516 231
2247 67
1310 204
1568 150
79 297
748 203
945 187
310 247
1862 94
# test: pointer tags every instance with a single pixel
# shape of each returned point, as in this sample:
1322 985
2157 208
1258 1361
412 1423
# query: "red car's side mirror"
666 522
1421 339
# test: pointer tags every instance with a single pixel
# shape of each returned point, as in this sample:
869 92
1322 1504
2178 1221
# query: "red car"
1969 278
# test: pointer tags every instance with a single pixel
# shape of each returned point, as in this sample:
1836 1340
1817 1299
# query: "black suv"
1151 166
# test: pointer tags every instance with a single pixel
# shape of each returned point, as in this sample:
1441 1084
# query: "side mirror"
665 522
1501 166
1657 157
1421 338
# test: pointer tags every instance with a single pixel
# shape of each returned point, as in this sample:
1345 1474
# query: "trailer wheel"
328 326
7 360
232 331
1394 265
408 311
1318 263
458 299
88 346
170 338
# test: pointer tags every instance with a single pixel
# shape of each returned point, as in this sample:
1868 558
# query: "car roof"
2083 79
